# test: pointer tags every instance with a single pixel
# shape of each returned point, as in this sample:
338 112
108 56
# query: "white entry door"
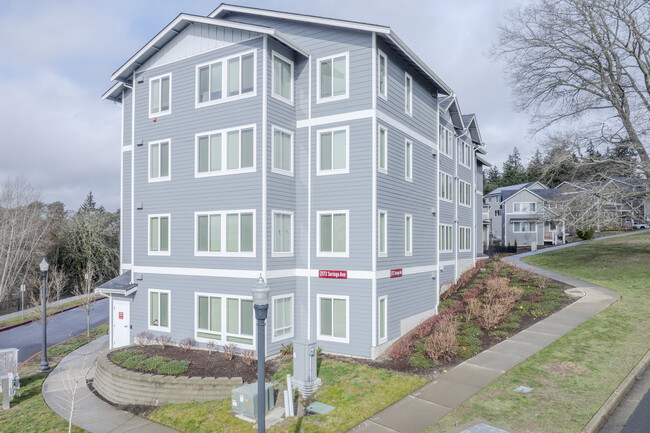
121 332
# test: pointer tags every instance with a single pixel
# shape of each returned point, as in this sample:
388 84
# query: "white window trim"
275 339
463 186
169 158
169 311
406 219
532 223
333 171
443 146
169 235
279 170
523 202
385 213
468 240
283 253
385 94
406 151
168 111
223 252
385 299
224 318
408 110
321 337
224 152
273 94
379 168
320 100
320 253
467 152
224 80
196 318
451 179
450 231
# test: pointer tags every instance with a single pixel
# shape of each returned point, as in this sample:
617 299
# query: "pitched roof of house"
513 188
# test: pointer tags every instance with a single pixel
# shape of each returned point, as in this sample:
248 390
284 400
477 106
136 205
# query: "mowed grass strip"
576 374
356 391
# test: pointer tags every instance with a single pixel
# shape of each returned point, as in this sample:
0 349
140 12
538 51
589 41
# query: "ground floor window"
445 237
383 319
282 317
159 310
226 319
464 238
333 323
524 227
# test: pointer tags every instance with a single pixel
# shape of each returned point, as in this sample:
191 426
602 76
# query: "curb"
599 418
15 325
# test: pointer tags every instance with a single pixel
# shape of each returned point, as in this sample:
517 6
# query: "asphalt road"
632 415
60 327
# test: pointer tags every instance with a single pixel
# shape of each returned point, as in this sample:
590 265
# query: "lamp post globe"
44 366
261 306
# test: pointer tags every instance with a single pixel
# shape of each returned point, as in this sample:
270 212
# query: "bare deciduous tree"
87 294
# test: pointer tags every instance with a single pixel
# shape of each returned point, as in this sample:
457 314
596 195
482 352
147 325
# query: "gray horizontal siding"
126 209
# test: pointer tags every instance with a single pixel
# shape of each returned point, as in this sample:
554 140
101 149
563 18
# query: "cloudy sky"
56 59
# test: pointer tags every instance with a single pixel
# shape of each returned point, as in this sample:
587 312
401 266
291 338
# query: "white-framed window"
226 79
464 193
524 207
524 227
282 151
282 78
382 74
445 237
382 149
464 238
224 319
159 161
159 235
225 151
282 317
446 186
333 151
209 317
408 94
408 160
408 235
159 310
464 154
160 95
333 77
225 233
333 233
447 138
383 234
383 318
333 318
282 236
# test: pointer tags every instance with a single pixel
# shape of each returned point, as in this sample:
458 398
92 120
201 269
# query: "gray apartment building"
322 154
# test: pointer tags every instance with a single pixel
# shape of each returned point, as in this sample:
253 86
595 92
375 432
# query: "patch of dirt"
565 368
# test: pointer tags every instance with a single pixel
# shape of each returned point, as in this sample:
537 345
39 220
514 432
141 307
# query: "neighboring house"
322 154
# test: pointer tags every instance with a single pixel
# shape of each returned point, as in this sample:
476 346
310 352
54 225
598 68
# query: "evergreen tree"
491 179
513 169
535 167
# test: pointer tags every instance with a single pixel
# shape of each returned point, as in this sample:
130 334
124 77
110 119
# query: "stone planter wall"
122 386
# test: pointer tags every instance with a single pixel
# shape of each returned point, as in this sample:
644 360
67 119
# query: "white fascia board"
110 94
483 160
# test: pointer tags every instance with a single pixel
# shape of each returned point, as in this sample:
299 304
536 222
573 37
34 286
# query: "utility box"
9 375
245 402
305 367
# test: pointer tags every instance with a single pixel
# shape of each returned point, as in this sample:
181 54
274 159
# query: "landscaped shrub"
134 362
230 350
494 287
418 357
248 356
462 281
153 363
473 308
120 357
187 343
442 343
163 340
211 345
287 350
493 313
401 349
174 368
585 234
144 338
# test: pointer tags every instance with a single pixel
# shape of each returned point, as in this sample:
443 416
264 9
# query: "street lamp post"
44 366
261 306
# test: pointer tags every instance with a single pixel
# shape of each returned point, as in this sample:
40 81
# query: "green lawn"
574 376
356 391
29 413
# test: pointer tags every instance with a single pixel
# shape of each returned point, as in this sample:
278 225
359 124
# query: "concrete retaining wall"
122 386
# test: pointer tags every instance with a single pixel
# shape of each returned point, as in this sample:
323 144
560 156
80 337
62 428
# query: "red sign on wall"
323 273
394 273
121 315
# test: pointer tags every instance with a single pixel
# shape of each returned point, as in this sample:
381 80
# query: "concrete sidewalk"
65 391
425 406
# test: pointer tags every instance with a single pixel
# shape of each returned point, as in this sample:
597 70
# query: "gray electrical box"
304 360
244 399
9 375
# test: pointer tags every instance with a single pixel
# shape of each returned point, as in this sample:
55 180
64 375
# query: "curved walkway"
65 392
422 408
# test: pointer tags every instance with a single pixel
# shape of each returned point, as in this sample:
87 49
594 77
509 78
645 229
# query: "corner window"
464 239
226 233
383 233
383 319
225 79
525 207
408 94
160 95
408 160
282 151
159 307
332 78
282 234
333 323
445 186
333 234
464 193
226 151
382 75
282 78
282 317
159 235
408 235
382 149
333 151
159 161
445 238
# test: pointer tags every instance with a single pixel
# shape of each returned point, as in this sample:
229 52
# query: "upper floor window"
383 233
158 161
160 95
382 75
464 154
408 94
446 141
383 149
282 151
525 207
446 186
408 234
226 78
159 235
445 237
333 78
464 193
408 160
282 234
225 233
464 239
333 233
282 78
333 151
226 151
